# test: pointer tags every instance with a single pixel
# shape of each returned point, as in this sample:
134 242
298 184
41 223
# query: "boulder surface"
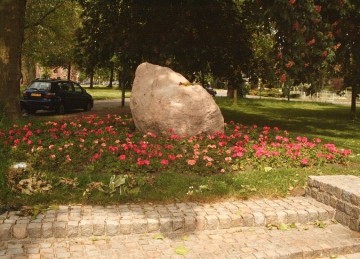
165 102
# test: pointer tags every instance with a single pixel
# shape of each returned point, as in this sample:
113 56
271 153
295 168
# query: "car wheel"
60 109
88 106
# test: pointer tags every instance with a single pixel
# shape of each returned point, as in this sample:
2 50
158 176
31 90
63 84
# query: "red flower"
317 8
95 157
141 162
296 26
122 157
290 64
164 162
171 157
311 42
283 78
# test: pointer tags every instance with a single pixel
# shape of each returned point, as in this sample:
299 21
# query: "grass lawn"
327 121
103 160
101 92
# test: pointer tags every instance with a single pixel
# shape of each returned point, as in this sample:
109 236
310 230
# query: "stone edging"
342 192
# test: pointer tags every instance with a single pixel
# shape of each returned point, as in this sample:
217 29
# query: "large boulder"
163 101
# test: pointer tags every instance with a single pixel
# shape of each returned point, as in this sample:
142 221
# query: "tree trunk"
92 79
69 72
123 86
12 15
111 76
354 93
28 70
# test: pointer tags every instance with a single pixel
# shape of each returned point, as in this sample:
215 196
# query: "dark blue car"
57 95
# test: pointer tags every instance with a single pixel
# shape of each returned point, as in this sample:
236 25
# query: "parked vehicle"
57 95
210 90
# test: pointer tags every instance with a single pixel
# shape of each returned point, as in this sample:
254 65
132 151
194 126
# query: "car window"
40 86
77 88
66 86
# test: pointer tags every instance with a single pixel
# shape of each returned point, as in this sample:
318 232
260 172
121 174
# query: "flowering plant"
109 143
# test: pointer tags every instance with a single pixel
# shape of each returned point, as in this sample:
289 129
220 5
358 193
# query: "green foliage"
181 34
303 41
50 32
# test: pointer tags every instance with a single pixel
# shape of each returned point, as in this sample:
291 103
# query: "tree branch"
46 14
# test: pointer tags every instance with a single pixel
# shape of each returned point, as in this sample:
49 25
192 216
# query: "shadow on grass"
330 122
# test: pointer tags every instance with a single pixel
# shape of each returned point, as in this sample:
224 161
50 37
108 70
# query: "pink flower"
317 140
329 156
222 143
345 152
207 158
304 162
191 162
122 157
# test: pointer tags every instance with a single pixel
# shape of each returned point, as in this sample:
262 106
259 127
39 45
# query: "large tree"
12 13
191 36
303 41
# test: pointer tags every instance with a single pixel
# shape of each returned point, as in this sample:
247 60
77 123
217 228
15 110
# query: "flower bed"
110 143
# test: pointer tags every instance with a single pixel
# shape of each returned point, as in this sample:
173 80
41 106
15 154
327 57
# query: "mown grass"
329 122
104 93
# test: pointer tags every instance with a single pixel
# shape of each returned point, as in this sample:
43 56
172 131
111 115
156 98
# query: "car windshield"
40 85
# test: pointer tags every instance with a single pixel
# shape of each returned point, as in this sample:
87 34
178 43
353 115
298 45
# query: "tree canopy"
191 36
49 36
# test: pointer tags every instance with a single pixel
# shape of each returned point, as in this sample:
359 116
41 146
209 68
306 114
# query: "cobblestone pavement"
229 229
73 221
304 241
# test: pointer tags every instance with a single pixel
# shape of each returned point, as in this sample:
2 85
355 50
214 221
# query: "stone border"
341 192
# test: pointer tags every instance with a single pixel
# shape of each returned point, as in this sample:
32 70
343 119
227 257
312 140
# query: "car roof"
52 80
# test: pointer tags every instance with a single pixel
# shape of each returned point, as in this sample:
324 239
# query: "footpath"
323 224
